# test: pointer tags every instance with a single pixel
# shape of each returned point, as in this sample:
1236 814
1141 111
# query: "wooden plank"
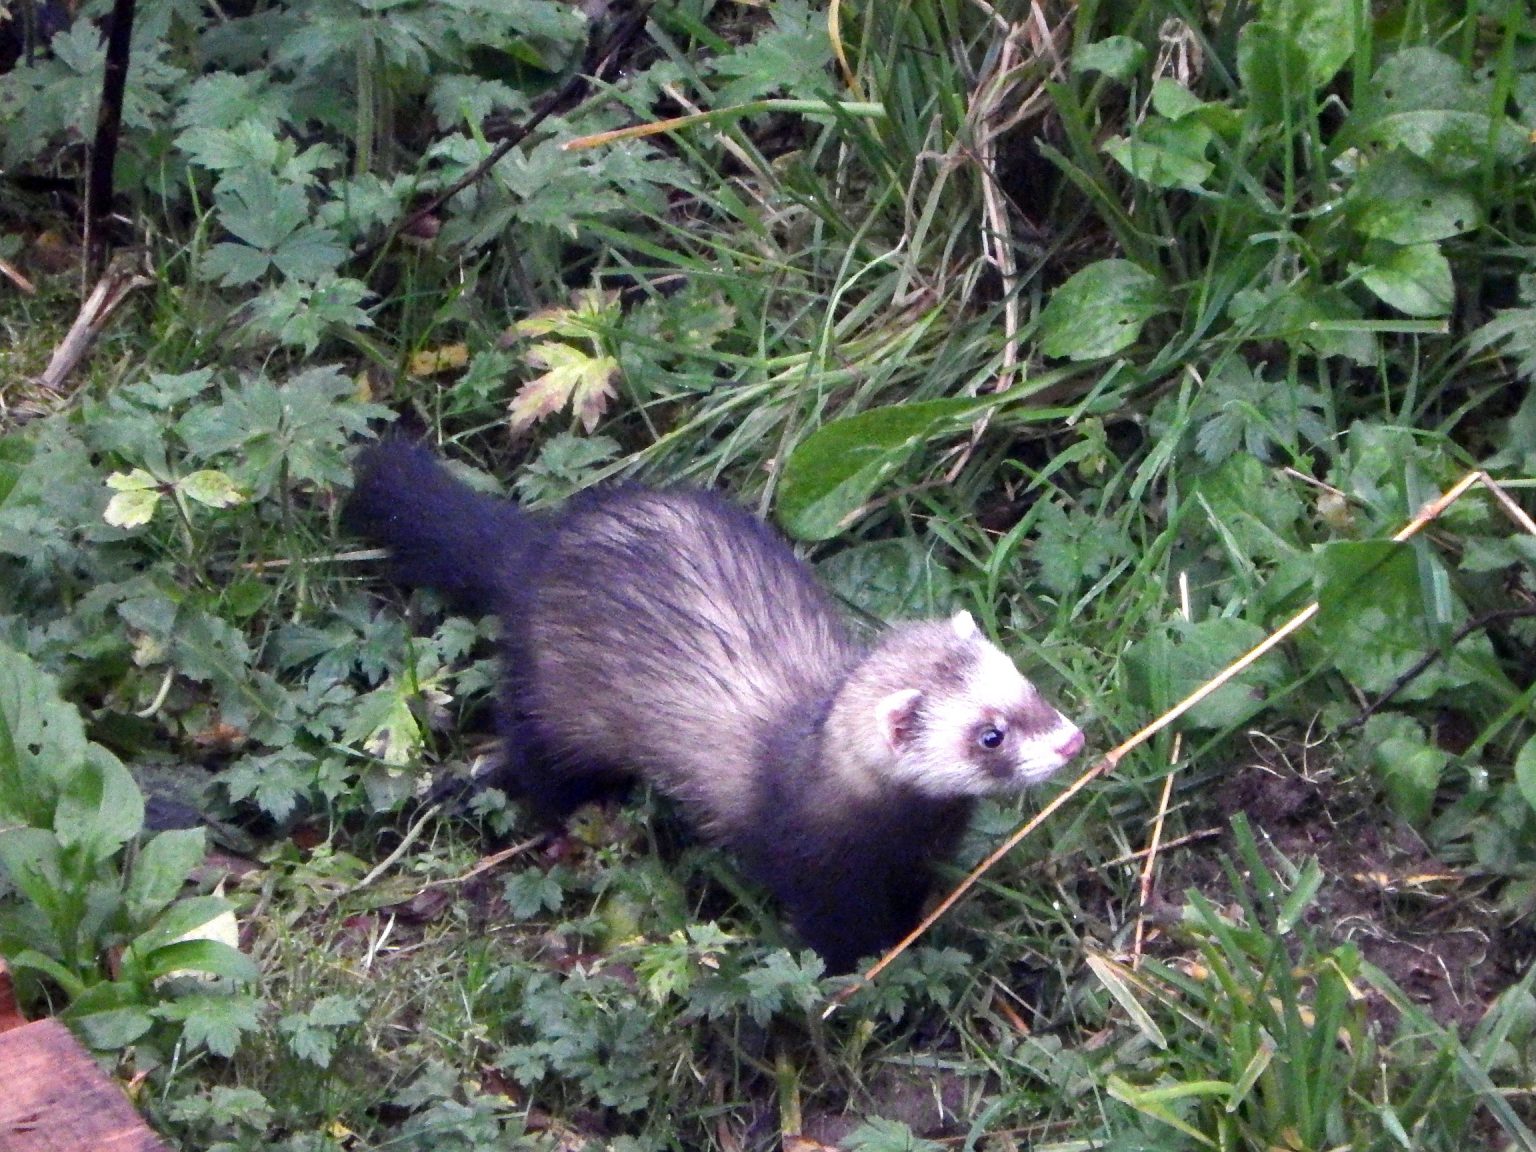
53 1097
10 1014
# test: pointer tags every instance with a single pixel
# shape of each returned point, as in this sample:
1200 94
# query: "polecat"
669 635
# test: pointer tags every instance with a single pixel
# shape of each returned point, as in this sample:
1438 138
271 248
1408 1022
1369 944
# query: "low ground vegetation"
1131 328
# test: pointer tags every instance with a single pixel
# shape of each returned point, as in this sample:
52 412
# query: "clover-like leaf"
211 487
138 493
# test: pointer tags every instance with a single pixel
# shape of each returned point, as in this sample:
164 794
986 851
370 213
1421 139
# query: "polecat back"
670 635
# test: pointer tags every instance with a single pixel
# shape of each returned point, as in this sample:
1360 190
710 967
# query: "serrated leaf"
834 471
212 1021
571 376
1100 310
211 487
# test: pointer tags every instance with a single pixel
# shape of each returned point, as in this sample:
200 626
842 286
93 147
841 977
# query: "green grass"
1131 333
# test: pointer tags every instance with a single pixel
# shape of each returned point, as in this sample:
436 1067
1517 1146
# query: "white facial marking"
964 625
946 760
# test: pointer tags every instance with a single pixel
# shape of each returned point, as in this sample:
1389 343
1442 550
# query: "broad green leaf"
131 509
1100 310
180 921
46 742
1323 31
1166 153
1169 664
1275 72
1118 57
206 957
890 579
1401 199
1408 766
101 808
31 859
1415 279
1423 101
111 1029
1375 624
836 469
161 868
1525 772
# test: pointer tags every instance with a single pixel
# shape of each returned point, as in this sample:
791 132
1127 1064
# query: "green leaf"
791 57
161 868
213 957
1274 71
1415 280
1408 766
30 858
1168 665
1525 772
834 471
1166 153
101 808
181 920
1323 31
215 1022
1100 310
532 891
1401 199
46 745
1379 616
891 579
1422 101
1118 57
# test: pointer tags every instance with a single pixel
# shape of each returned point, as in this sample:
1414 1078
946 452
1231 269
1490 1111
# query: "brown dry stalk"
1425 515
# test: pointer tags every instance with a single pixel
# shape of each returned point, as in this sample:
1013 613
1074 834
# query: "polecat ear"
896 715
964 625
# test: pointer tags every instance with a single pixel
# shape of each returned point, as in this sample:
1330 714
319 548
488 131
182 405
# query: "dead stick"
1425 515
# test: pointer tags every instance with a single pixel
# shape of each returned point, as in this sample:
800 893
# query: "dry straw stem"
1111 758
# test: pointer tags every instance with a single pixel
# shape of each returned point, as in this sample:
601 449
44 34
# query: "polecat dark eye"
991 738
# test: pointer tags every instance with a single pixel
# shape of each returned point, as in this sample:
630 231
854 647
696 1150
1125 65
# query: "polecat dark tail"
441 533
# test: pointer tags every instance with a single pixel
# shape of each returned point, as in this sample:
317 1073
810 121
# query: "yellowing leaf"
434 361
585 318
137 494
571 376
135 481
211 487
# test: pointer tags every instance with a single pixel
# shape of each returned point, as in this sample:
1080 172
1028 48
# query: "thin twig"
406 841
1419 666
487 863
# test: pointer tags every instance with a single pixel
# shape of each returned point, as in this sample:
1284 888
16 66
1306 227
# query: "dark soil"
1430 928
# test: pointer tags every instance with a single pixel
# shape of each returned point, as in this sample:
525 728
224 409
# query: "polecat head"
938 707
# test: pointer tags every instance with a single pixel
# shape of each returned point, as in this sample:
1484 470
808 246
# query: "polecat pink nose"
1072 747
